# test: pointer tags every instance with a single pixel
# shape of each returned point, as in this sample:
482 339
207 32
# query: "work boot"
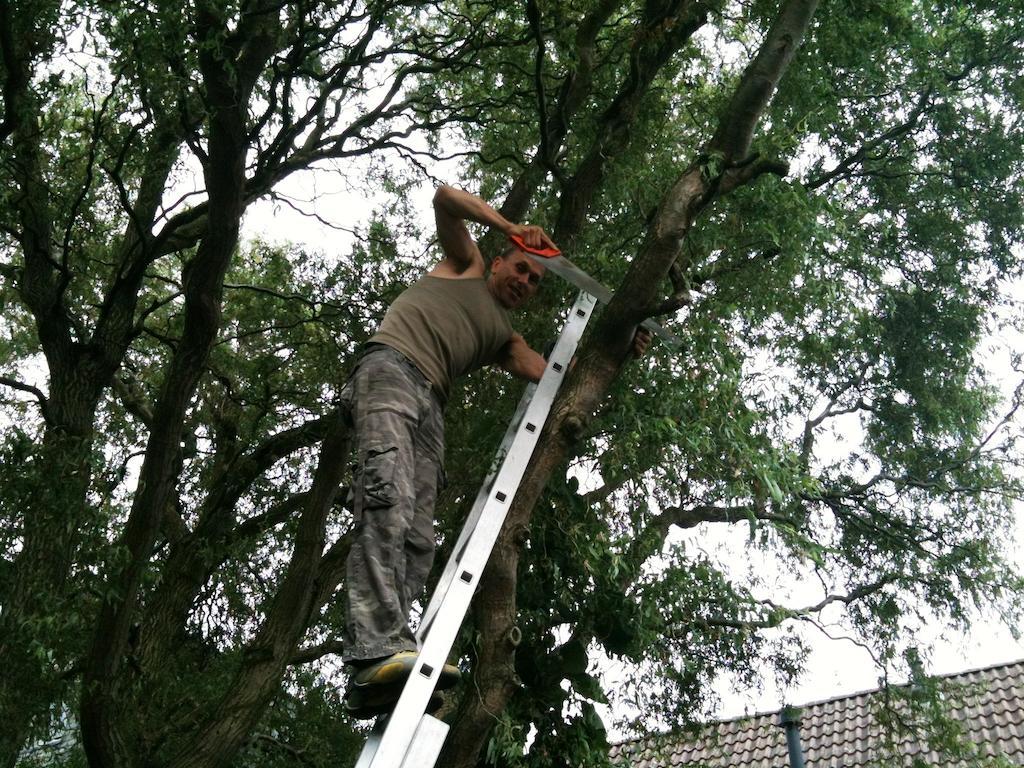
376 700
395 669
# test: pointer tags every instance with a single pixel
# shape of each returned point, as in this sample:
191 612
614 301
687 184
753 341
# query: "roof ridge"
878 689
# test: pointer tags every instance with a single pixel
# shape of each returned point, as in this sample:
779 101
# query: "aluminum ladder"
408 737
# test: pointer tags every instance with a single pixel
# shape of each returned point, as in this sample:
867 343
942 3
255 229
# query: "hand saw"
552 259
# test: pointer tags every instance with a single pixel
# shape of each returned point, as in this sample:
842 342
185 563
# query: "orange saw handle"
547 253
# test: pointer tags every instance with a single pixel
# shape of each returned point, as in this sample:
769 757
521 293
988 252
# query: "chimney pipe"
789 718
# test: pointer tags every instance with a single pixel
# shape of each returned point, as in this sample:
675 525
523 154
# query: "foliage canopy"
823 198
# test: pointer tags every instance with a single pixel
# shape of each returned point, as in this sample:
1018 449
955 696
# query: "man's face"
514 278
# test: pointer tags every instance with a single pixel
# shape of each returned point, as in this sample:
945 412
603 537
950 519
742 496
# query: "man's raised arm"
453 208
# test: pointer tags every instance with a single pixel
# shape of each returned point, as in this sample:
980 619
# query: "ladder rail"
451 566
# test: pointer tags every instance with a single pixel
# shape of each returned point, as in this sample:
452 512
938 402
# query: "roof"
846 732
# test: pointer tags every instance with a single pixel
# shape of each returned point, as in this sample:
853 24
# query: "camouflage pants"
399 426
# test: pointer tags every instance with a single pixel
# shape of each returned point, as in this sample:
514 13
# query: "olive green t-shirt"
446 327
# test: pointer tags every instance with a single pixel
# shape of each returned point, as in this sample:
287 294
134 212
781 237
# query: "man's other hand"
641 340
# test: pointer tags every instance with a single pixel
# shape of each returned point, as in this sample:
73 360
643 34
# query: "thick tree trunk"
35 591
495 603
230 63
38 594
80 370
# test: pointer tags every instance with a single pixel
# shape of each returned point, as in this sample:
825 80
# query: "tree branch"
134 400
546 157
735 130
671 305
778 614
576 88
665 29
317 652
34 391
846 164
274 645
750 169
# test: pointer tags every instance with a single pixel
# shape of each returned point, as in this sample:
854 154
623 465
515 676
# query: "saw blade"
554 260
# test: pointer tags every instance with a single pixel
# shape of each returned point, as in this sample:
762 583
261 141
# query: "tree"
116 270
173 537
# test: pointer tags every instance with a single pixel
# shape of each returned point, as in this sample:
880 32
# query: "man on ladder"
449 323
